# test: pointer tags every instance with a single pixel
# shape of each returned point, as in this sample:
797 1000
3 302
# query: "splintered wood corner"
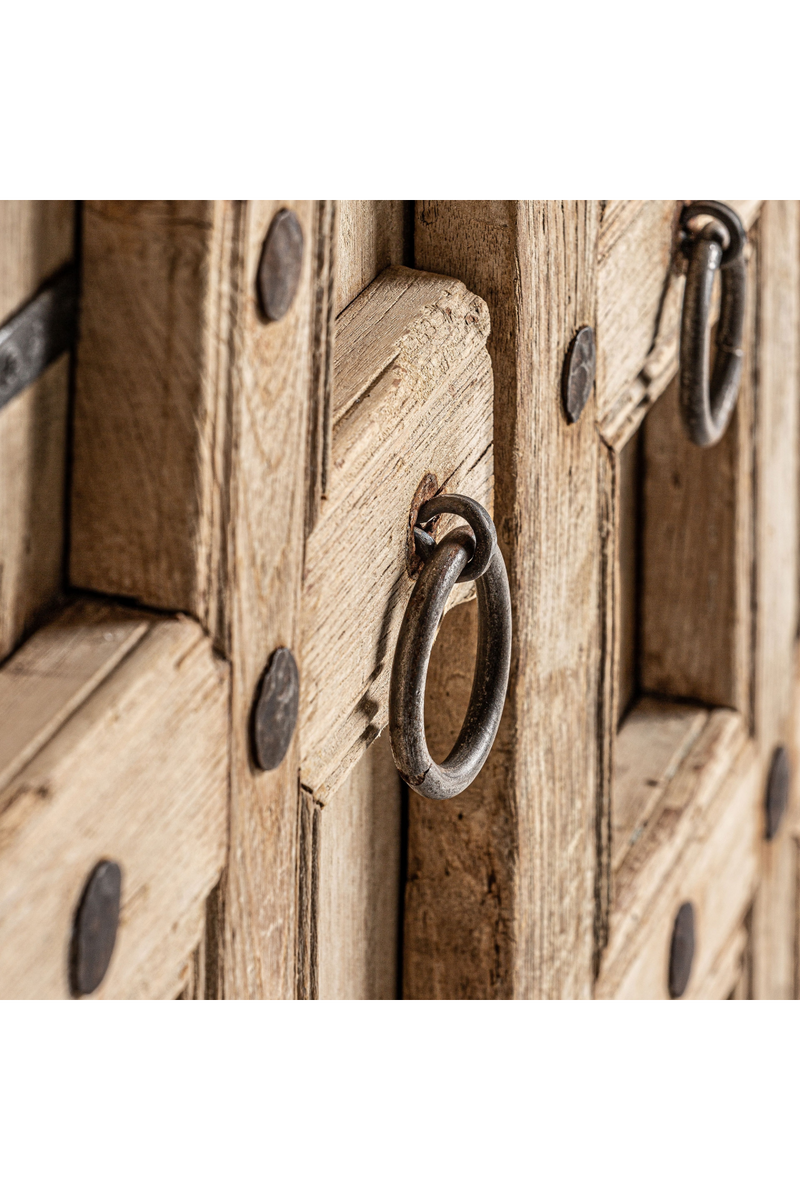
412 396
114 746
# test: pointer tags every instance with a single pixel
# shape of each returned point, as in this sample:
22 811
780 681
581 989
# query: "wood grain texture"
270 389
137 774
674 823
629 533
359 895
372 236
640 280
412 396
52 674
774 937
654 740
36 238
458 912
534 264
697 552
701 847
320 422
150 404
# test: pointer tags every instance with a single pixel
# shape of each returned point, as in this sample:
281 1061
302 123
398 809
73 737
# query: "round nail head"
275 713
681 951
579 369
281 265
95 929
777 798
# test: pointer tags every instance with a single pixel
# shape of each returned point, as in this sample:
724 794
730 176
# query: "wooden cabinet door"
231 467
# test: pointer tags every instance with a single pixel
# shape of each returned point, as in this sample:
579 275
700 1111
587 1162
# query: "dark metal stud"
95 929
275 711
777 797
681 951
578 378
280 266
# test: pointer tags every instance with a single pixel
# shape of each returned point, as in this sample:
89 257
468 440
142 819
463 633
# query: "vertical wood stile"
271 384
518 919
36 238
773 928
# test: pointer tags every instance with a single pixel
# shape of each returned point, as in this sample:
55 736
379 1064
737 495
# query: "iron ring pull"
707 405
460 556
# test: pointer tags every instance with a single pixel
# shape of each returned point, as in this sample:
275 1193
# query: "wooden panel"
716 871
54 672
149 405
651 746
412 396
458 902
36 238
776 573
193 427
629 537
634 254
726 978
372 236
674 824
640 283
271 381
534 264
137 774
697 549
358 923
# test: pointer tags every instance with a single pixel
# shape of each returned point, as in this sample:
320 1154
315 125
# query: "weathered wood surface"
190 489
373 235
412 397
52 674
138 774
36 238
360 891
640 283
534 265
774 935
702 846
459 913
628 527
674 823
652 744
149 421
696 632
271 385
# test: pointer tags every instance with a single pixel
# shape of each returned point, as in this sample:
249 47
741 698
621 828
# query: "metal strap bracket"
38 333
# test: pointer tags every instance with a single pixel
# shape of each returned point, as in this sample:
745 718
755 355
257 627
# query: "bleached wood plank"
654 740
715 867
358 922
36 238
137 774
412 397
629 471
372 236
271 382
774 947
55 670
534 264
149 422
673 825
725 978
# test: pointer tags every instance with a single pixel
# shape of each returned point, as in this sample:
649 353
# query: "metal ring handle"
479 520
707 404
442 570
